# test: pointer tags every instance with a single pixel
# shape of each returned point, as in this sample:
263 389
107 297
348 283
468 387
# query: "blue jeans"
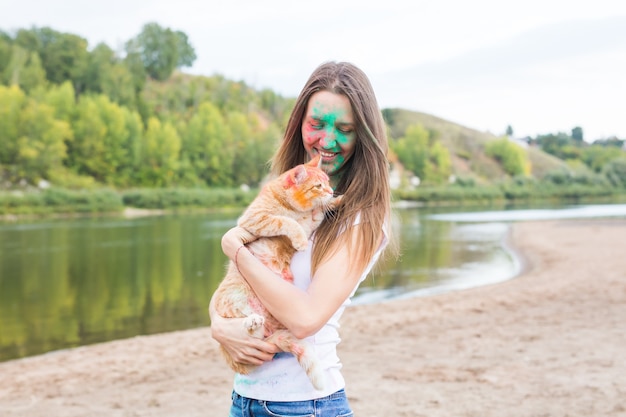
335 405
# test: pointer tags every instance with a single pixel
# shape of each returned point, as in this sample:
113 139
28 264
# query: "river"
73 282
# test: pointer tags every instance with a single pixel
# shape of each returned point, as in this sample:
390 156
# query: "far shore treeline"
92 129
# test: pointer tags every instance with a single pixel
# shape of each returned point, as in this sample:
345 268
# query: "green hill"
466 146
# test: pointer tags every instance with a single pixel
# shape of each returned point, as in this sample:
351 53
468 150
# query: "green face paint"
332 125
328 130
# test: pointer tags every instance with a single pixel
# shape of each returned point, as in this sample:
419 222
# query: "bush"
512 157
569 177
615 172
450 194
173 198
58 200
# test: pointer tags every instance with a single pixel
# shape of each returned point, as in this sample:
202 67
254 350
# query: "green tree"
41 145
24 69
439 166
253 146
596 157
612 141
100 139
509 130
264 141
186 53
161 50
577 135
128 168
64 56
118 85
12 100
133 63
570 152
33 74
242 143
552 143
13 66
274 104
6 47
615 172
159 154
421 153
208 146
108 75
412 149
62 99
99 64
512 157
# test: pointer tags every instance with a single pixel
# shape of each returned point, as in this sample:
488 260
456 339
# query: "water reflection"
67 283
440 256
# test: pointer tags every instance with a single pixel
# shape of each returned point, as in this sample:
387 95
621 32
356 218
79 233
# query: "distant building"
522 142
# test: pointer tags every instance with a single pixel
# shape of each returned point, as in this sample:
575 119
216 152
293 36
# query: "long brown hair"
365 176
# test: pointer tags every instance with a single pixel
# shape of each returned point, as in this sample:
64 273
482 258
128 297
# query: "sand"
550 342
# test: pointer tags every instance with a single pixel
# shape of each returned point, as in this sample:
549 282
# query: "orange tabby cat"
284 215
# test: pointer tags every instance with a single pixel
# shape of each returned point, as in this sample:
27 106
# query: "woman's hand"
234 239
243 348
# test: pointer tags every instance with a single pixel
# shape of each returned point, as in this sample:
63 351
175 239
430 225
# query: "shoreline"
548 342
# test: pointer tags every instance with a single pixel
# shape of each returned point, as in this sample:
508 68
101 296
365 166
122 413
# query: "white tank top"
282 379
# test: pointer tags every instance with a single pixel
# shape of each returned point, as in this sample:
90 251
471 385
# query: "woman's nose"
329 140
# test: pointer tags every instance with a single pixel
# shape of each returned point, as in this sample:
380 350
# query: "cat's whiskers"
328 209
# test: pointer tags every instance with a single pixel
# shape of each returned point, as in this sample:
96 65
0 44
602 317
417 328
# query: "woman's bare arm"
302 312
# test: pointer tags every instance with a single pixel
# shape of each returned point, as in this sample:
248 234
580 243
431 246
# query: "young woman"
336 116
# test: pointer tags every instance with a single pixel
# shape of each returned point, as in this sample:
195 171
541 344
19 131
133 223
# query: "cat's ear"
316 162
296 176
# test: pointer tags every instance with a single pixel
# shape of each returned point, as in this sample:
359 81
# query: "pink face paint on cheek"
312 135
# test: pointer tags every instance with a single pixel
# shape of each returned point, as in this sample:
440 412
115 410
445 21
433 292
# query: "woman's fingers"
250 355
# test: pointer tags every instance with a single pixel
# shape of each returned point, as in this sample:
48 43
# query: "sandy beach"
550 342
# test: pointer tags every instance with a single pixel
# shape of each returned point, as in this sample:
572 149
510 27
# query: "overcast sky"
541 66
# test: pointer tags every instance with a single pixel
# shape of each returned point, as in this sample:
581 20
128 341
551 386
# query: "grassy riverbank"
511 193
56 201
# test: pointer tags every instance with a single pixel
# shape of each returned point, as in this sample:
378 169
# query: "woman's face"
328 130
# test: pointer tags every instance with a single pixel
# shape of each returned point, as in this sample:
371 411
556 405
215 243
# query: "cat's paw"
254 324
